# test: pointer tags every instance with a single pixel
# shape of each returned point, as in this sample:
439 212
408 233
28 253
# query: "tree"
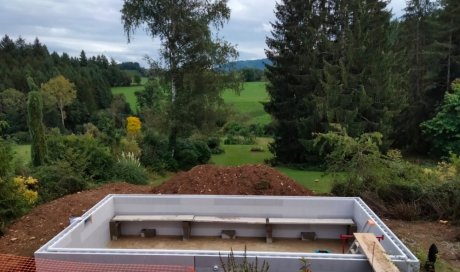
36 127
137 79
293 51
62 91
416 40
13 110
444 128
362 85
189 50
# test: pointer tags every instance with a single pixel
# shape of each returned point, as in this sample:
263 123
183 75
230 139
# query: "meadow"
249 101
129 93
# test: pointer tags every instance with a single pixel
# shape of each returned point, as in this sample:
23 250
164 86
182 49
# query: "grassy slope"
128 92
249 101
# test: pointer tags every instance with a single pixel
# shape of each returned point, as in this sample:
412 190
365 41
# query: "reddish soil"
421 234
41 224
31 231
241 180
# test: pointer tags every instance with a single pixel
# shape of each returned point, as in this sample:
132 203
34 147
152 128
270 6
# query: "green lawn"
241 154
22 153
129 93
249 101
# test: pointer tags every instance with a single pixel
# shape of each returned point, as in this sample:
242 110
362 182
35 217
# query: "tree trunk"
61 109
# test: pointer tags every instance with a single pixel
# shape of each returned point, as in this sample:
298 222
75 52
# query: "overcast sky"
95 26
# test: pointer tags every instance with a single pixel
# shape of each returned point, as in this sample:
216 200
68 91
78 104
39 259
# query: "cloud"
95 26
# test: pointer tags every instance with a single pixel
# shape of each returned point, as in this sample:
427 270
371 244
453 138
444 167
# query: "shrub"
444 128
214 145
128 168
190 153
239 140
412 191
58 179
16 194
21 137
83 153
6 158
130 145
257 149
12 203
156 153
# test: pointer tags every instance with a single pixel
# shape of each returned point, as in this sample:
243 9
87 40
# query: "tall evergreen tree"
35 122
362 88
294 51
448 37
416 40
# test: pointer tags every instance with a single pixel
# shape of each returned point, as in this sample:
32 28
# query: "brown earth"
241 180
33 230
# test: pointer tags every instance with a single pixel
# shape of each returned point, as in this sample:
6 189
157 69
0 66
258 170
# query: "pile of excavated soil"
31 231
241 180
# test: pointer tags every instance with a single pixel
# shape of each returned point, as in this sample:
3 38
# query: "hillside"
254 64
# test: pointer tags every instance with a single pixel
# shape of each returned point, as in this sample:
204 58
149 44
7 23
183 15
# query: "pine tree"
362 88
416 40
35 122
294 51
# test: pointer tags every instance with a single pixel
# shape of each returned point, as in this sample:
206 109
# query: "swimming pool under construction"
332 233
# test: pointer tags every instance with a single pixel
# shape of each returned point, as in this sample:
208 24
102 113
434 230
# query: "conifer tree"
362 88
35 122
294 52
416 40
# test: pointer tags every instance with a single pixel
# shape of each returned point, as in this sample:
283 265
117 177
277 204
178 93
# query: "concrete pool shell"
88 240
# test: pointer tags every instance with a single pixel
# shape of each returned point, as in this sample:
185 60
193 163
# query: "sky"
95 26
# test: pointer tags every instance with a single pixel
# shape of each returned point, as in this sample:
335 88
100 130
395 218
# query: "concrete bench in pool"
115 223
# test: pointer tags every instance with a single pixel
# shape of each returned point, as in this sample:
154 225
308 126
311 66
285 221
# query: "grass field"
128 92
249 101
22 153
241 154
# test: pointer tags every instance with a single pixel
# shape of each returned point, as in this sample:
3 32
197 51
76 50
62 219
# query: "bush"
257 149
240 140
411 191
190 153
21 137
83 153
155 152
15 196
57 180
444 128
214 145
128 168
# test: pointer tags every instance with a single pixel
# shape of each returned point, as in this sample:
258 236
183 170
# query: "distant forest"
93 77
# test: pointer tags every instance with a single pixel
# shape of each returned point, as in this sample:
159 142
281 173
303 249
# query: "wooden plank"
241 220
375 253
135 218
311 221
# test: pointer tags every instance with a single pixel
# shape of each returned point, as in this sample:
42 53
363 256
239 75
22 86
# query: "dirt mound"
41 224
241 180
